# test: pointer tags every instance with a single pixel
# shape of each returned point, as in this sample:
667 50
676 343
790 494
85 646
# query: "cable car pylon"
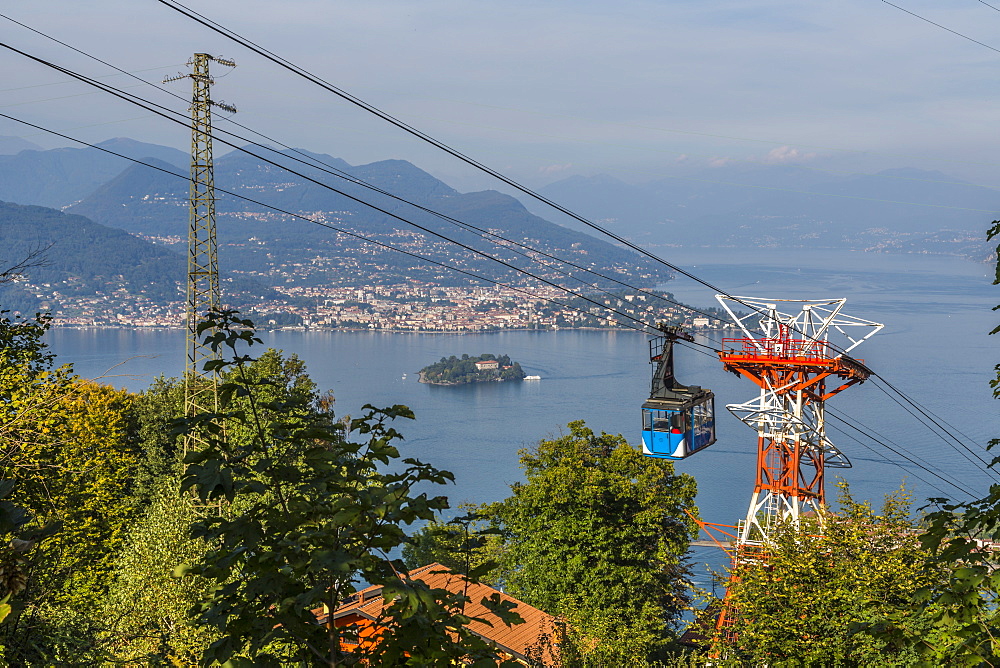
786 352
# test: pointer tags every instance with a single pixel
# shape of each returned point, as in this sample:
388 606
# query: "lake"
934 348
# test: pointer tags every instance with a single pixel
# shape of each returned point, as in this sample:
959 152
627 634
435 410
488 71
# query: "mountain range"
271 246
741 206
790 206
80 259
259 246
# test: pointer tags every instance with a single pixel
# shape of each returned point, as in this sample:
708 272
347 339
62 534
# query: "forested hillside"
80 258
260 241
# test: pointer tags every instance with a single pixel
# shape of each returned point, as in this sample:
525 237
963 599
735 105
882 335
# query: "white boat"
532 377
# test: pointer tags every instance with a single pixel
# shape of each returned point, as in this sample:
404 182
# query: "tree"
79 474
154 412
462 544
822 581
147 608
962 589
67 459
961 539
306 514
146 611
597 534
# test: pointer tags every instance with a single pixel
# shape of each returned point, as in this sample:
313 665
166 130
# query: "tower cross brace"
202 284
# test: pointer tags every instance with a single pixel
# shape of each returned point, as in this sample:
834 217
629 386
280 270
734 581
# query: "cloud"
555 169
783 154
719 162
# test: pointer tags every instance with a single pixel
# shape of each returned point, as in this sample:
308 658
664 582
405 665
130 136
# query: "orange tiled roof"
534 639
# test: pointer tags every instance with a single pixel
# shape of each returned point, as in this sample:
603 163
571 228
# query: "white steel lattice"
786 350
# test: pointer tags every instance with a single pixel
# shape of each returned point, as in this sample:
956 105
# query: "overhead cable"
350 233
150 107
317 163
301 72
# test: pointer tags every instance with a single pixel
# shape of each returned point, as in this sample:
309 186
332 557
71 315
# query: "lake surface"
935 348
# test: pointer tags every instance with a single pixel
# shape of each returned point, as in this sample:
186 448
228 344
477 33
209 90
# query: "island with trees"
487 368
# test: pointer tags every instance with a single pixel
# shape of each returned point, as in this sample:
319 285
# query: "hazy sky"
545 89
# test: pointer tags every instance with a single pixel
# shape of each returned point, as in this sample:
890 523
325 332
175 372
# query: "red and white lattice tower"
787 353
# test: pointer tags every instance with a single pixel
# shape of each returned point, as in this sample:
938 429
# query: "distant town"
409 307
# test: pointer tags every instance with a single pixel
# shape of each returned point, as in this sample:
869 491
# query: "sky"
637 89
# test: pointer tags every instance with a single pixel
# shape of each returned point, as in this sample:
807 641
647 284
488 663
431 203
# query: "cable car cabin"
679 431
677 420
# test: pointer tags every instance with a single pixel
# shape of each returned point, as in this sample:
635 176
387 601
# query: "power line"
930 422
953 32
993 7
329 169
773 142
356 235
150 107
942 433
900 453
301 72
246 43
869 433
415 132
260 50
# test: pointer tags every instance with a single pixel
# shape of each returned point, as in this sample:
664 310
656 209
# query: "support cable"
867 432
928 420
301 72
316 163
901 454
149 107
355 235
925 419
305 74
409 129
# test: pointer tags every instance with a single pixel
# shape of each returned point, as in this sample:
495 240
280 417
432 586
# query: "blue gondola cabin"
675 432
677 420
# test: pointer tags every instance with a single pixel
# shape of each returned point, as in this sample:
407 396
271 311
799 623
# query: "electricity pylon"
201 390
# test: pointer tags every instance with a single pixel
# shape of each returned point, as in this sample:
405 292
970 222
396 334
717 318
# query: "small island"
486 368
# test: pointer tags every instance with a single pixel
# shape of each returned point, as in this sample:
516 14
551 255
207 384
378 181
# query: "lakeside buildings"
408 307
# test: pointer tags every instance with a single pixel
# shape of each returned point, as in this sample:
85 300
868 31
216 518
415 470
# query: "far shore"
359 330
442 384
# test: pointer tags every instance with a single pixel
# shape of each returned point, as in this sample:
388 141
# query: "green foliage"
964 606
827 579
146 610
462 544
597 535
79 476
305 514
154 411
66 459
458 371
86 257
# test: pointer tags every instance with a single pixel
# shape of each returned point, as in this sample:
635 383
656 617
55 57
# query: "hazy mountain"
783 205
59 177
13 145
266 244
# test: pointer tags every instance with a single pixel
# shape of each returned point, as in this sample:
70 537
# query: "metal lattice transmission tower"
201 390
788 356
